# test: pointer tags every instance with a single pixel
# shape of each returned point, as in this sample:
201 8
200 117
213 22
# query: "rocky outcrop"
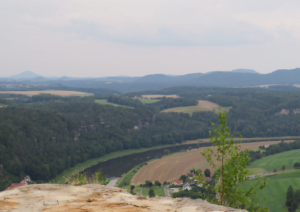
92 198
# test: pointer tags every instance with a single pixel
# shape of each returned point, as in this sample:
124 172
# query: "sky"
94 38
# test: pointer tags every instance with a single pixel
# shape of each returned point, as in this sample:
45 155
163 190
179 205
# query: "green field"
276 161
105 102
258 171
275 191
191 109
157 190
149 101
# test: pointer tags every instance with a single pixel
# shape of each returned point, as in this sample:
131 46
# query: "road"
141 192
167 191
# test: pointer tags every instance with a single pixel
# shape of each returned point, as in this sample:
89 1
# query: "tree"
232 173
132 187
183 178
297 197
275 170
283 167
148 183
157 183
101 180
151 193
166 151
289 196
165 183
207 173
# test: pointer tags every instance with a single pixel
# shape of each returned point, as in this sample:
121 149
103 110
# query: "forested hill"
42 140
47 135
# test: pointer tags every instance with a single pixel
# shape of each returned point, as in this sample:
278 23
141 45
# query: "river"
116 167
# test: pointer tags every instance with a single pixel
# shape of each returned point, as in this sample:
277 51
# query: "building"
191 175
14 185
27 178
178 182
186 186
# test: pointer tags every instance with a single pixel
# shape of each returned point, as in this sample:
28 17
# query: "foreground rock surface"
92 198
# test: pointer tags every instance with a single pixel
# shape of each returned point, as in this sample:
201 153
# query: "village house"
178 182
22 183
186 186
191 175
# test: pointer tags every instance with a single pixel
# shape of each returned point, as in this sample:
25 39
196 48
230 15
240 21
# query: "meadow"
202 105
105 102
172 167
275 191
52 92
160 96
276 161
148 101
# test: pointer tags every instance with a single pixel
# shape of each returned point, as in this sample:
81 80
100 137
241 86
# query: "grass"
61 178
149 101
276 188
256 171
157 190
191 109
276 161
105 102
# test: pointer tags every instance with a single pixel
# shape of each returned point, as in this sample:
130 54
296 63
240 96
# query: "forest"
43 135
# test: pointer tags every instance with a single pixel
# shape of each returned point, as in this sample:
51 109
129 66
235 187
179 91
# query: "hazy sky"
94 38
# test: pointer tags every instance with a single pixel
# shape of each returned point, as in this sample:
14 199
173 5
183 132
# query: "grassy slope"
149 101
105 102
275 191
276 161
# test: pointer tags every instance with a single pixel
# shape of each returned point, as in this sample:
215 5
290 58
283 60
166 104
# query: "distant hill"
234 78
154 78
26 75
241 70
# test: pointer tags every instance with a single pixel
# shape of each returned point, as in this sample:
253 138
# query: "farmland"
200 107
149 101
105 102
276 161
172 167
52 92
159 96
275 191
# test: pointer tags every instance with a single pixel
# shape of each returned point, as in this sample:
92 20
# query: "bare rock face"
95 198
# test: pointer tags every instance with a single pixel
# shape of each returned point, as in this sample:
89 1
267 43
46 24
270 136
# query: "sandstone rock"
95 198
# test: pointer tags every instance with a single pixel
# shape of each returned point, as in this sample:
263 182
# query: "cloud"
151 23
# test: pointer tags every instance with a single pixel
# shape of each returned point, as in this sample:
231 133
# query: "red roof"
14 185
178 181
23 182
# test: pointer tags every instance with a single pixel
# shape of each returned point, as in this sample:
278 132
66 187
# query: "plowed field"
172 167
57 93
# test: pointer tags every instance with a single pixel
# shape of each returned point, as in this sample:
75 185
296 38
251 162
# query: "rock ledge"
95 198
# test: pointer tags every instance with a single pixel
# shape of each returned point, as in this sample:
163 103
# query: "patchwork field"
202 105
172 167
57 93
275 191
159 96
105 102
